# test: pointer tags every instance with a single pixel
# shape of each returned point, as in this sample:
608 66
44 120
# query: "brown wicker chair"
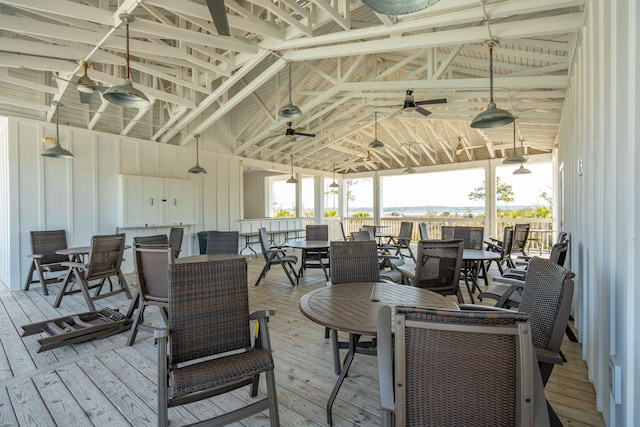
222 242
508 291
438 267
421 387
175 240
352 262
152 268
424 233
316 258
473 237
105 258
547 294
206 350
276 255
44 245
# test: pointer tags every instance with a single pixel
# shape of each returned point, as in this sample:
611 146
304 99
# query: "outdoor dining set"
384 296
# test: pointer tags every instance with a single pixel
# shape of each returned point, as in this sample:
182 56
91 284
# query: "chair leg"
133 332
63 288
262 274
274 416
30 277
569 332
288 273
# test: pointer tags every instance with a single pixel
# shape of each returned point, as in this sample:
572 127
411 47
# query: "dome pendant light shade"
398 7
376 143
521 170
493 116
292 180
514 158
197 168
334 184
56 151
290 111
125 94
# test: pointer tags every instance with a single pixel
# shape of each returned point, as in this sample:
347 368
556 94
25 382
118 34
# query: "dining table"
353 308
310 246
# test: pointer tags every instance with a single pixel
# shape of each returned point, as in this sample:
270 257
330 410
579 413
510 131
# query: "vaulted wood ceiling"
347 63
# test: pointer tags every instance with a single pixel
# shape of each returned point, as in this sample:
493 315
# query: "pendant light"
492 117
376 143
197 168
398 7
521 170
514 158
56 151
293 179
290 111
125 94
334 184
409 169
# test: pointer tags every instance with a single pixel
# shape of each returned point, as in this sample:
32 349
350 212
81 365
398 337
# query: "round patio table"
353 308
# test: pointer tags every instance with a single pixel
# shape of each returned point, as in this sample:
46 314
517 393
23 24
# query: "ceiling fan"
410 104
85 85
219 14
294 132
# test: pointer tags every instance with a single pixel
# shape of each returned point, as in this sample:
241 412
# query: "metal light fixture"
521 170
334 184
376 143
290 111
293 179
514 158
493 116
409 169
56 151
125 94
398 7
197 168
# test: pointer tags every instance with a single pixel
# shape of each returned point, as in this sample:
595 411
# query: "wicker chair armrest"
385 359
509 281
261 314
492 246
73 264
36 255
548 356
479 307
406 271
275 251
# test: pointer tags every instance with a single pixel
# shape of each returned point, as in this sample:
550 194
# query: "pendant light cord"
127 57
290 101
491 71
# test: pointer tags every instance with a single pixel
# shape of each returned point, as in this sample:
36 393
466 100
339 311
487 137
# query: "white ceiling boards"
347 63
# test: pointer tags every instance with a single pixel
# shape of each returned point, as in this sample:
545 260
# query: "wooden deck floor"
105 383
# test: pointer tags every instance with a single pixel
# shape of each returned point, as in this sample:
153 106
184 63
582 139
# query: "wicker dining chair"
503 247
44 259
105 259
419 386
222 242
351 262
207 348
401 242
152 270
438 267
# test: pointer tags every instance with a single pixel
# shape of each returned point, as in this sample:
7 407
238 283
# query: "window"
359 197
307 204
330 198
282 197
434 194
525 196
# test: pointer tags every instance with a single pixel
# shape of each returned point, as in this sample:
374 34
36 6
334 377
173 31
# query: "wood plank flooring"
104 382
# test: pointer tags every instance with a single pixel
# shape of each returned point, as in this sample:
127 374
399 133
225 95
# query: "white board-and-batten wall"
81 195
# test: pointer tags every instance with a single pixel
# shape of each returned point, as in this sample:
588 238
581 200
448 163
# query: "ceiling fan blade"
432 101
85 97
219 14
311 135
423 111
